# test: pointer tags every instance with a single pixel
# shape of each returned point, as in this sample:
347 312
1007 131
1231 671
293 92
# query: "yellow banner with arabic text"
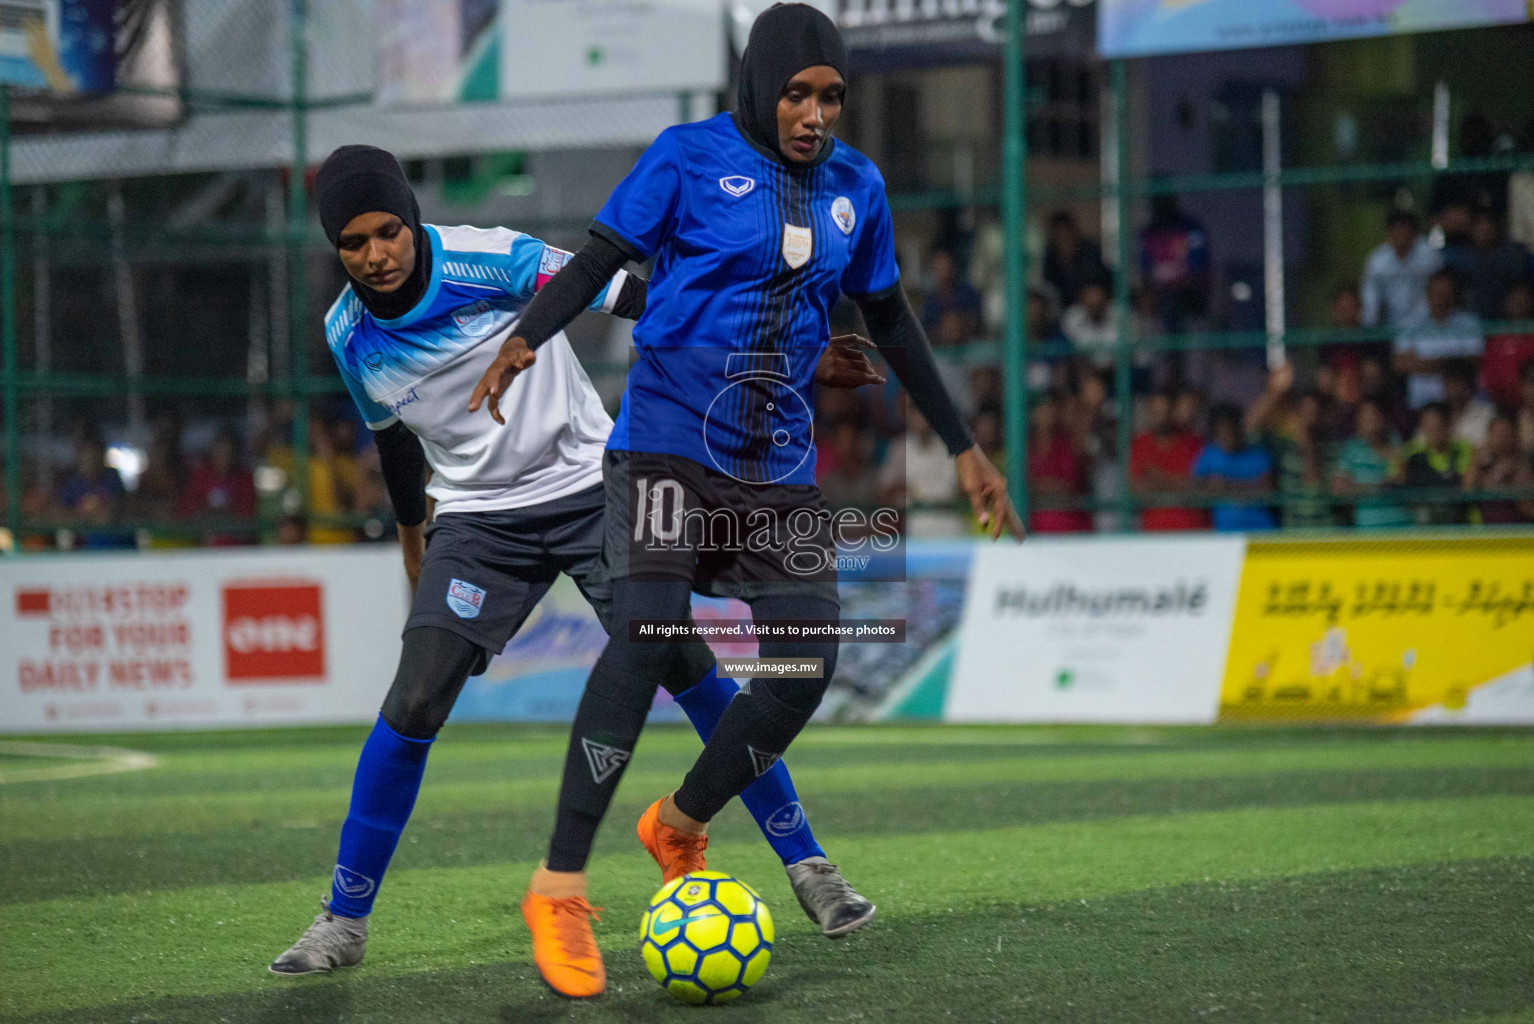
1387 631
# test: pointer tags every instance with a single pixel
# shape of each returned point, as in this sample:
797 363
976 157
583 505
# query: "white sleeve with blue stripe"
340 322
516 263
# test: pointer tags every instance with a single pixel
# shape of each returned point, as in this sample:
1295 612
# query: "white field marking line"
1027 736
91 761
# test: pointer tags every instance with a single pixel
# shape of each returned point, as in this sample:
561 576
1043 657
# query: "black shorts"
669 517
485 571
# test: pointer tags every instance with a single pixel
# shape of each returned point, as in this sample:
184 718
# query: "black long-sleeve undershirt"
891 326
403 462
571 290
894 329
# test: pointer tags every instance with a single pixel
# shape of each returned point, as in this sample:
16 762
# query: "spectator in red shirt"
1506 353
1057 469
220 487
1161 460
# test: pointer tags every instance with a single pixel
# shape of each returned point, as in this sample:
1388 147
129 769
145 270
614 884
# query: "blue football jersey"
421 368
750 258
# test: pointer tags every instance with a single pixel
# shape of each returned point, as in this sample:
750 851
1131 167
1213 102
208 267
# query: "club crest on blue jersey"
798 245
476 319
374 361
465 599
737 185
845 216
352 884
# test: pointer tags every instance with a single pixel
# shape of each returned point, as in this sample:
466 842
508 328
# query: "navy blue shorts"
484 572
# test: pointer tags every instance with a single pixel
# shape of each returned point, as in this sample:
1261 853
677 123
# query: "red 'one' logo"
274 632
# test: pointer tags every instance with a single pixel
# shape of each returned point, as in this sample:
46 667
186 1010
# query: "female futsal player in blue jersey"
757 222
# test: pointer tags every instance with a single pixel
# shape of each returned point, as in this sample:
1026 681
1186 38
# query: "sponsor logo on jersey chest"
737 185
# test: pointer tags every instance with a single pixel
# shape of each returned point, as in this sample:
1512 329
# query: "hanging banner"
566 48
904 32
1384 632
433 52
1111 630
83 64
1138 28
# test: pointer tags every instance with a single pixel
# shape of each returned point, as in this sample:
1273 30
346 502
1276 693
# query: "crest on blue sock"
352 884
786 820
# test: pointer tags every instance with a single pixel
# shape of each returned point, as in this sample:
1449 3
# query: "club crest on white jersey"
845 216
737 185
476 319
798 245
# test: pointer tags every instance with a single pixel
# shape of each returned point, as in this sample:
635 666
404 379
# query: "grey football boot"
828 899
328 943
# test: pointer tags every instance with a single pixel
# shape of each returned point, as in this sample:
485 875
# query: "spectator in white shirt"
1396 273
1447 332
1088 323
1470 415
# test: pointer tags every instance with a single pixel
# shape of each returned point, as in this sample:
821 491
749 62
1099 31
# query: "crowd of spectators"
238 488
1421 412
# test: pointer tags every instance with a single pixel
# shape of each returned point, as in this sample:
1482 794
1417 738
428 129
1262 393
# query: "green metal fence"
1017 197
299 383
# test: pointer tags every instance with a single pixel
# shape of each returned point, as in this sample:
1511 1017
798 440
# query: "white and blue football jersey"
421 368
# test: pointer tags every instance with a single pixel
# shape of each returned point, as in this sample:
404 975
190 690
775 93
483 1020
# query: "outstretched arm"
558 302
900 338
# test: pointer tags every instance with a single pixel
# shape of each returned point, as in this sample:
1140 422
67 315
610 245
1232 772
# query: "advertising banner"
86 64
437 52
1384 632
433 52
902 32
62 46
1138 28
198 638
565 48
1096 630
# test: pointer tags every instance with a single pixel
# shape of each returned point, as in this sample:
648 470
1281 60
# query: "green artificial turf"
1023 874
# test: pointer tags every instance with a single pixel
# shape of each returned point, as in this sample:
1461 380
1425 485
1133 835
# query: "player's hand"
986 489
844 364
514 357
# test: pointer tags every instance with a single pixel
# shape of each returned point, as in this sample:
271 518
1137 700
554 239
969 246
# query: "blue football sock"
383 793
771 798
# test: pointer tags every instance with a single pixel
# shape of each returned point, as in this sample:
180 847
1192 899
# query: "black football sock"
764 718
601 742
611 715
751 736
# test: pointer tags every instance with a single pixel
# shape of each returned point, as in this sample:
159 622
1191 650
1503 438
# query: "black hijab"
365 179
785 40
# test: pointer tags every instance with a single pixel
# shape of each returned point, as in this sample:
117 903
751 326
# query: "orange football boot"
678 853
564 948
